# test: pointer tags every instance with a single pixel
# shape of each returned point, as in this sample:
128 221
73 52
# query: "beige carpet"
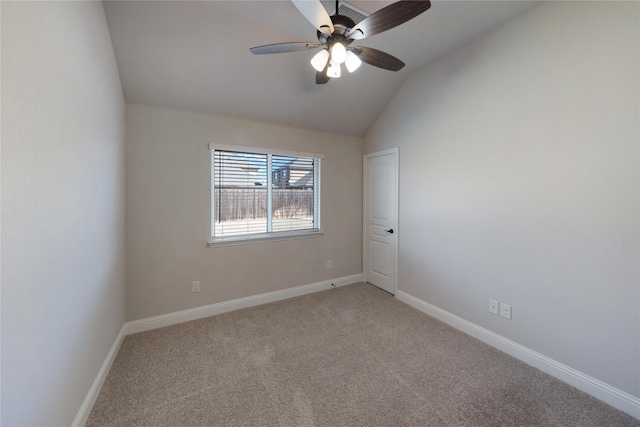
351 356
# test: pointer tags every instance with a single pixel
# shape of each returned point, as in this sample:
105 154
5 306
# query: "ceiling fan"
336 33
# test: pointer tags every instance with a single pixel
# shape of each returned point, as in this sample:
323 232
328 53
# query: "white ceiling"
194 56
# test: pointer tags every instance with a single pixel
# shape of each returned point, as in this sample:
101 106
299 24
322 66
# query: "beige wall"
62 207
168 213
519 165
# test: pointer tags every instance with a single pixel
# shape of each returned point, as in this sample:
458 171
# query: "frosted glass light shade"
320 60
334 70
352 62
338 53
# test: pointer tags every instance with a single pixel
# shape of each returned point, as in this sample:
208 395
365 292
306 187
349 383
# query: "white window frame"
269 235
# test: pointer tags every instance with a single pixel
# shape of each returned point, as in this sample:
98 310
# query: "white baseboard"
94 391
596 388
236 304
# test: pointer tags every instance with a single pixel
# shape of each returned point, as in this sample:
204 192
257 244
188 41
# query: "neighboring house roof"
249 170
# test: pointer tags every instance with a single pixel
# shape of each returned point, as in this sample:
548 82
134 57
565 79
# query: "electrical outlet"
505 311
493 306
329 264
195 286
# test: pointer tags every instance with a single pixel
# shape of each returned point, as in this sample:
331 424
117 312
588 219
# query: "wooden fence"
251 203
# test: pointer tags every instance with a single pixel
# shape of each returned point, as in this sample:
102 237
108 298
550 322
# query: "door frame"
365 159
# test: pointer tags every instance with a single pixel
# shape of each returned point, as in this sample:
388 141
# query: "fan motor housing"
341 27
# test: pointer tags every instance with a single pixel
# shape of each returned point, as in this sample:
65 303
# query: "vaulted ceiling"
194 56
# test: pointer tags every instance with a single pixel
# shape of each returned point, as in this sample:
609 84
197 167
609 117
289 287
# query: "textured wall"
169 204
62 207
519 182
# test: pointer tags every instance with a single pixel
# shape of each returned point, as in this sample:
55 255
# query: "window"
257 194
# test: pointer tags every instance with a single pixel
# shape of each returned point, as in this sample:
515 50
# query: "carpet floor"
351 356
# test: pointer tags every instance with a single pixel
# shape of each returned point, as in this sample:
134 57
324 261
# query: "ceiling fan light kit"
336 33
334 70
338 52
320 59
352 62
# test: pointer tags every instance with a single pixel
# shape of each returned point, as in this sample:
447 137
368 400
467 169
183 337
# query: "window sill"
264 238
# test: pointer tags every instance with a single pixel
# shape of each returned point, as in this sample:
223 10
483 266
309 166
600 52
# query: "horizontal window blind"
240 193
262 194
292 193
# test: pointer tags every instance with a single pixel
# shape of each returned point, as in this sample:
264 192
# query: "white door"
381 219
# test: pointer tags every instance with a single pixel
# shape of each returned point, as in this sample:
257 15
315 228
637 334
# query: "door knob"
390 231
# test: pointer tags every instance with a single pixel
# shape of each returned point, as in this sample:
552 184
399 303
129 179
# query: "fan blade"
378 58
321 76
388 17
315 13
284 47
